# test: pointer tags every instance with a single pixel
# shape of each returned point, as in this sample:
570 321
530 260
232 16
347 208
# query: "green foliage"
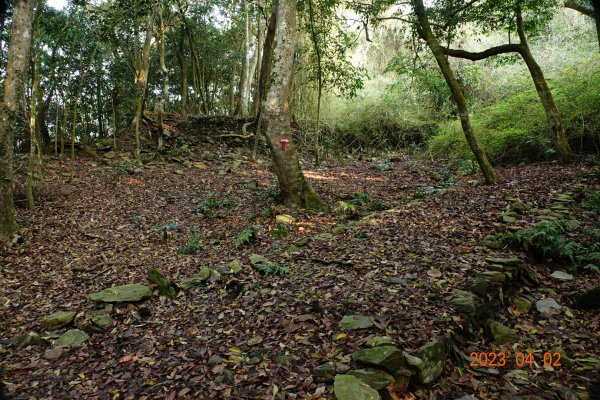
272 193
247 236
266 212
592 202
123 167
428 190
344 207
193 246
271 269
208 206
165 229
383 165
280 231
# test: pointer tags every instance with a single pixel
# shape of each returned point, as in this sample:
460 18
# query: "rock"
325 371
348 387
561 276
58 320
502 334
323 236
397 280
379 341
284 219
548 307
429 361
214 276
336 230
235 266
165 288
214 360
27 339
73 337
351 322
283 359
487 282
512 261
465 302
342 368
375 378
110 154
200 165
523 305
467 397
54 353
387 357
256 259
122 294
589 299
195 280
508 218
102 321
223 269
300 242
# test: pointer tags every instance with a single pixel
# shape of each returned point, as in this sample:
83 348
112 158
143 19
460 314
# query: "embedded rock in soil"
351 322
433 357
73 337
560 276
284 219
375 378
325 371
102 321
58 320
387 357
165 288
502 334
523 305
487 282
465 302
548 307
348 387
380 341
122 294
195 280
511 261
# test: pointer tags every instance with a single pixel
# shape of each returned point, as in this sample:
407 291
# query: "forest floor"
247 335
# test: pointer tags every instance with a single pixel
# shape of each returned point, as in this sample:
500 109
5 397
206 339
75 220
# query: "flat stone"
523 305
214 276
122 294
487 282
102 321
54 353
214 360
196 280
348 387
336 230
561 276
548 307
387 357
58 320
511 261
379 341
303 241
351 322
433 357
323 236
73 337
235 266
284 219
256 259
465 302
502 334
375 378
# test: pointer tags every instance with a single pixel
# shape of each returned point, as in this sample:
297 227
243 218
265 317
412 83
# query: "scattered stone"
336 230
487 282
110 154
387 357
165 288
564 358
300 242
214 360
589 299
375 378
73 337
398 280
348 387
379 341
102 321
492 242
523 305
122 294
511 261
432 357
200 165
465 302
284 219
58 320
325 371
21 341
351 322
256 259
548 307
235 266
223 269
561 276
509 218
214 276
502 334
323 236
342 368
195 280
54 353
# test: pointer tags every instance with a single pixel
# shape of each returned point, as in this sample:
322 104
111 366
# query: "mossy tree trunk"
427 34
16 66
276 114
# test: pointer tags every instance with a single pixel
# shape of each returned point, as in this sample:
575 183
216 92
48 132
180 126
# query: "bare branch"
582 8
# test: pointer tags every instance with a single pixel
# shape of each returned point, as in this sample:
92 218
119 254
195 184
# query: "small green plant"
193 246
138 219
383 165
266 212
344 207
247 236
361 198
272 193
208 205
123 167
165 229
280 231
592 202
271 269
251 186
467 167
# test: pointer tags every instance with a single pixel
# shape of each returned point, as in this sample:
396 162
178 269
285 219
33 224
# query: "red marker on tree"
284 143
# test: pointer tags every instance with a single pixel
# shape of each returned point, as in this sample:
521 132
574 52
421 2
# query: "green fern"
271 269
247 236
192 246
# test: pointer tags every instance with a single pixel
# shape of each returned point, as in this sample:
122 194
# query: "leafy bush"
192 246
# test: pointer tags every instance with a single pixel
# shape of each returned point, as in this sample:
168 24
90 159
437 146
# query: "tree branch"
475 56
582 8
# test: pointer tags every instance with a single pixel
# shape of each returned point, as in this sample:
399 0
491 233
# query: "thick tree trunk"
559 138
259 46
315 42
184 74
427 33
276 117
18 51
163 65
242 105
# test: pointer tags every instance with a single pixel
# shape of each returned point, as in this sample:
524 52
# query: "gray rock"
387 357
433 357
465 302
102 321
73 337
301 241
122 294
195 280
511 261
351 322
214 360
54 353
58 320
380 341
487 282
523 305
502 334
256 259
548 307
348 387
561 276
375 378
342 368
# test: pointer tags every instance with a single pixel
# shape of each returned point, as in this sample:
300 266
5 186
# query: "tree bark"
259 46
18 51
459 97
241 109
276 117
163 65
184 73
315 42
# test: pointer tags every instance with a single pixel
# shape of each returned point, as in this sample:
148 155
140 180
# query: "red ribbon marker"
283 142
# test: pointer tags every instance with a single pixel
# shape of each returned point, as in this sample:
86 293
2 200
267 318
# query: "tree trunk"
163 66
559 138
315 42
184 74
18 51
242 105
459 97
99 108
259 45
276 117
142 66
